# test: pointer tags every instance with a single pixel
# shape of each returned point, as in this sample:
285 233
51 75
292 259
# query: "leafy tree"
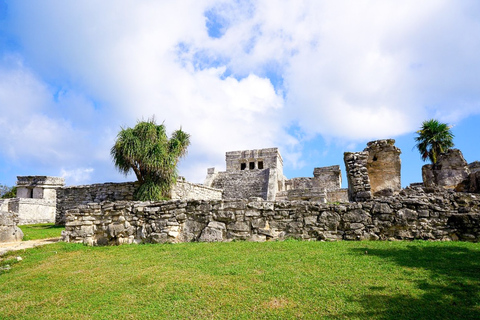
153 157
433 139
7 192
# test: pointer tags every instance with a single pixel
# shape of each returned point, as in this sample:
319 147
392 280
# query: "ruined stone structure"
250 173
451 171
384 167
72 197
191 191
359 188
259 173
325 186
253 200
410 214
36 199
374 172
9 232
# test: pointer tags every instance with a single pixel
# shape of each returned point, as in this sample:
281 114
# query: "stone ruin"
9 232
376 171
249 173
259 173
256 176
452 172
36 199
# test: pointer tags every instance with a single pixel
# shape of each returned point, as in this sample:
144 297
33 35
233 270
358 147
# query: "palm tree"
153 157
433 139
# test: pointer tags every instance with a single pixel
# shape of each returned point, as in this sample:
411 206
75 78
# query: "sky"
313 78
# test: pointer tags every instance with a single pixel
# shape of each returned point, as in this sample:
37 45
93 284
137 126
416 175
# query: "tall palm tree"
153 157
433 139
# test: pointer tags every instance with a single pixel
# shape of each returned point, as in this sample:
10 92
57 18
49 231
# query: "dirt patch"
21 245
276 303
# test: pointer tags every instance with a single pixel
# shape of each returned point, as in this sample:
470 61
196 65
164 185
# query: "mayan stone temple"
253 200
259 173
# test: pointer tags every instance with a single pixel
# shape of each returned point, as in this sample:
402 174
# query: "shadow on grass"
450 291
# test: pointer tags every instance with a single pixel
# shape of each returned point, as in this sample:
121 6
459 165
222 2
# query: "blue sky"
314 78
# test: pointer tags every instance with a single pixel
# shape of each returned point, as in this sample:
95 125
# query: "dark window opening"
30 193
375 158
252 165
260 164
243 166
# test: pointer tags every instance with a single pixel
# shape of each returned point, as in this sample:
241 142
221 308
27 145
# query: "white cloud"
346 70
77 176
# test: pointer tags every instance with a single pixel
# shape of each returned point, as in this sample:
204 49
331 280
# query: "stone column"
384 167
357 175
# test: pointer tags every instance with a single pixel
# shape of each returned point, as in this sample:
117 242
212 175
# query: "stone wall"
329 178
357 174
31 210
324 186
308 194
71 197
190 191
412 214
339 195
243 184
4 204
9 232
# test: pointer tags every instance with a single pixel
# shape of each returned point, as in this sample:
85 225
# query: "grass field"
41 231
244 280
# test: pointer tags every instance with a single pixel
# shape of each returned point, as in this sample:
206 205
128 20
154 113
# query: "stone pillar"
384 167
357 175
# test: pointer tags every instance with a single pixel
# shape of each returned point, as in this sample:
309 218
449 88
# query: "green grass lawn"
41 231
244 280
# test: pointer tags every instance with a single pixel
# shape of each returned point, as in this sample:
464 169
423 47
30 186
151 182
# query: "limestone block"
9 232
214 232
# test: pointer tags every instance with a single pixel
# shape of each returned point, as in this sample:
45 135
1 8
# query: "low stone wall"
71 197
340 195
9 232
4 204
30 210
191 191
413 214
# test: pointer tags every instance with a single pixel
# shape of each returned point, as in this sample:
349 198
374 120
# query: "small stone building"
36 199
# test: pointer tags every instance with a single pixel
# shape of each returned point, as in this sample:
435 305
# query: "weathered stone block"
238 226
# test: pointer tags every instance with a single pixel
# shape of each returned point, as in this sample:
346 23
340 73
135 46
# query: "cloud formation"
234 74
